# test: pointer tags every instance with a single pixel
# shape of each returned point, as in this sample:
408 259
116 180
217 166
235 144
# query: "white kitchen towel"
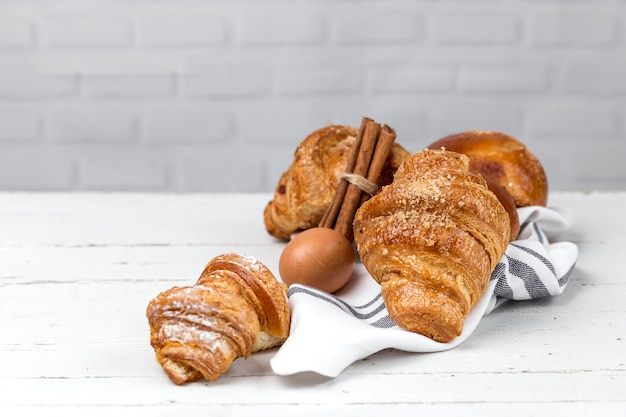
329 332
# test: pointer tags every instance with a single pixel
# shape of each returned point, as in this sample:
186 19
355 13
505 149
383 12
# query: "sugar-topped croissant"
432 239
236 307
306 189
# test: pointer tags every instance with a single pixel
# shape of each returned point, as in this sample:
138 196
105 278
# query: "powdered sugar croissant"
432 239
236 307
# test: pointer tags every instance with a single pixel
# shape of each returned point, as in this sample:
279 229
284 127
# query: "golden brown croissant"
237 307
306 189
432 239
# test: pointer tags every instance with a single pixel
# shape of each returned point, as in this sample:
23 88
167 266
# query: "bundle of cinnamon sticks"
371 149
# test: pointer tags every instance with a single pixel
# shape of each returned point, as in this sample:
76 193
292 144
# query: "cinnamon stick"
383 148
367 160
352 198
330 216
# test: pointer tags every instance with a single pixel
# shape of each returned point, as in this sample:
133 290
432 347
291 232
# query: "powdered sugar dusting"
184 333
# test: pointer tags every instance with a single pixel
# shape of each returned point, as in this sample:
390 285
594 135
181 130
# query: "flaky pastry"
237 307
306 189
432 239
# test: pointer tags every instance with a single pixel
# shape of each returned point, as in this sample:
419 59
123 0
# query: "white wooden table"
77 272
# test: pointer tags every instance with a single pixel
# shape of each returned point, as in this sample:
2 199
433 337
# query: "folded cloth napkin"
330 332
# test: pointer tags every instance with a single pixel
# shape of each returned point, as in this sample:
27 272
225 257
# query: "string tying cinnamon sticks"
361 183
366 162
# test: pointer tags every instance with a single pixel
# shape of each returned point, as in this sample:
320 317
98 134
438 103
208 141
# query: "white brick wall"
184 95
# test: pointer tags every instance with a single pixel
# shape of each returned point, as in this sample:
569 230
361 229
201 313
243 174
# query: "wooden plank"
95 298
132 219
519 409
441 387
62 264
495 408
549 341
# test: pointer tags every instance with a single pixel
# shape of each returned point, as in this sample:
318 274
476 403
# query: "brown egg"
319 257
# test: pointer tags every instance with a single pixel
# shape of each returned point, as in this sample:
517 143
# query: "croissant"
306 189
432 239
237 307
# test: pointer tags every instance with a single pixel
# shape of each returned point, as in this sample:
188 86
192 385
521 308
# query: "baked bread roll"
509 205
432 239
236 307
503 160
306 189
